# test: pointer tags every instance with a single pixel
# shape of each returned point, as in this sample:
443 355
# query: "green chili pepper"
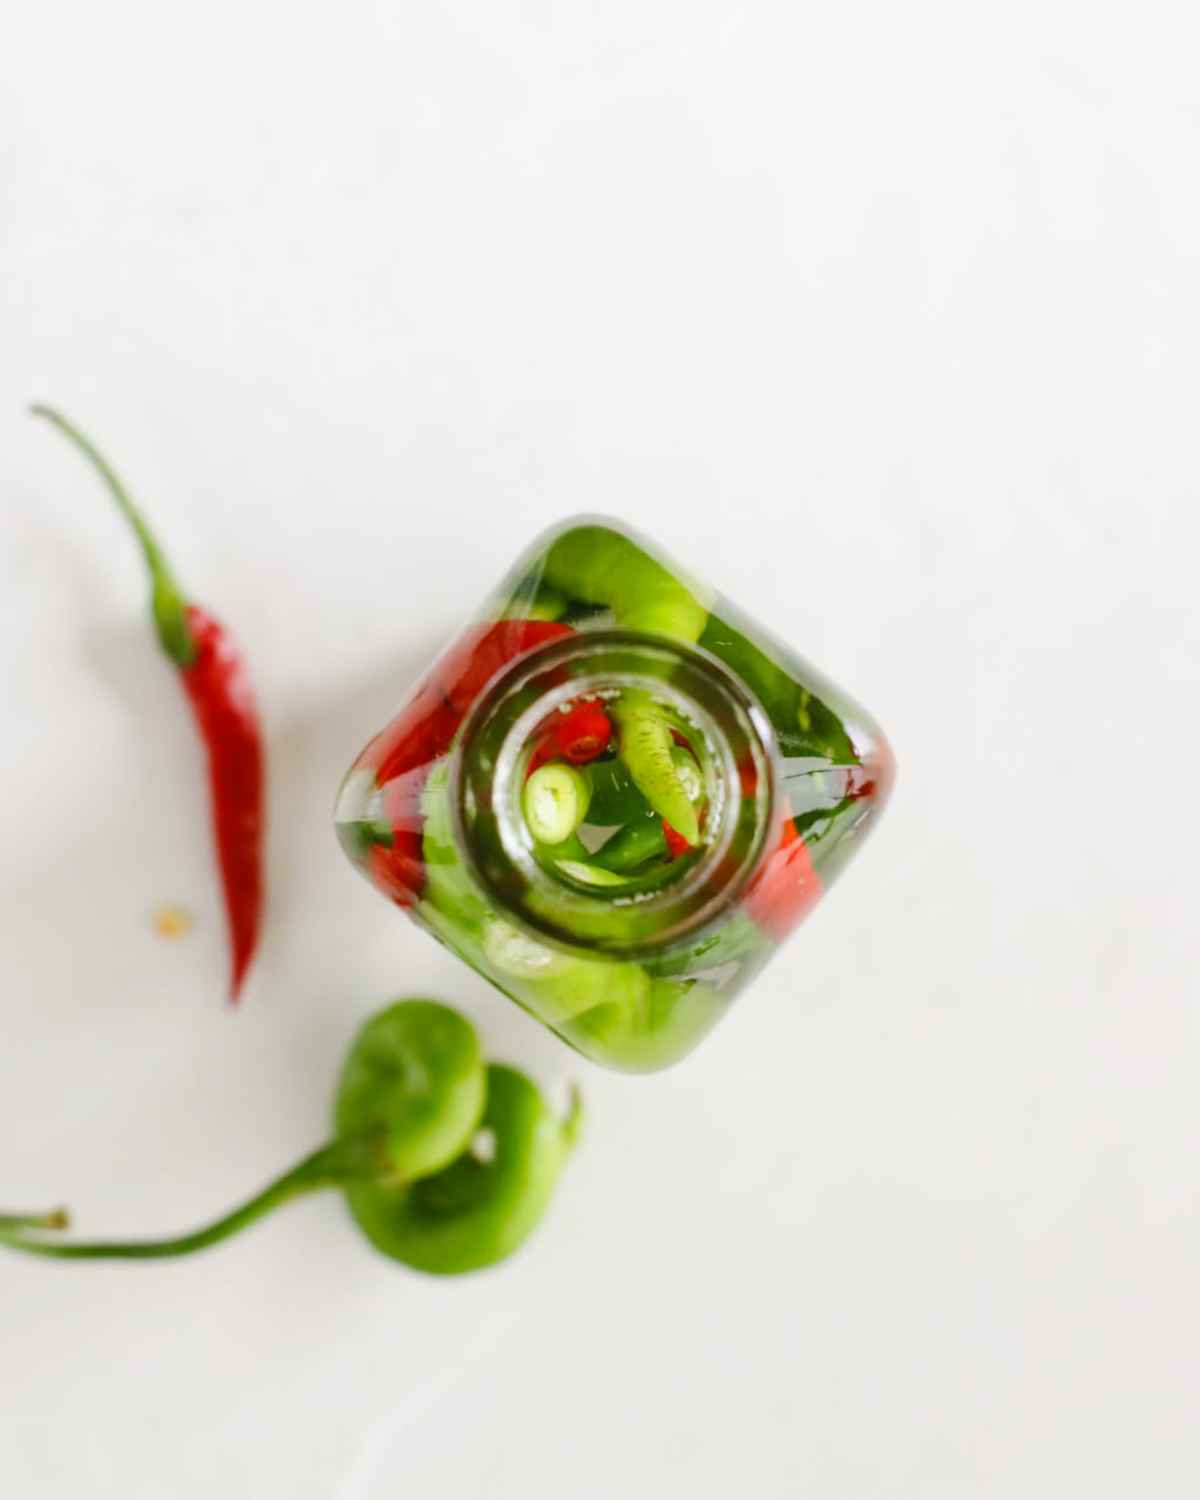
633 846
358 838
487 1202
449 890
570 848
531 602
447 1164
555 801
584 983
690 776
615 798
597 565
587 873
413 1078
517 954
645 746
550 856
737 941
803 724
645 1029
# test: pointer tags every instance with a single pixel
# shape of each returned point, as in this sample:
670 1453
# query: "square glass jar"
614 795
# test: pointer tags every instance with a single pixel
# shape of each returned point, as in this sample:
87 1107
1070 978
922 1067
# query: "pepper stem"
57 1218
573 1120
339 1162
168 604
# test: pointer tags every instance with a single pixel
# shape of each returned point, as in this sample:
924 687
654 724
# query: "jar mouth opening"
564 899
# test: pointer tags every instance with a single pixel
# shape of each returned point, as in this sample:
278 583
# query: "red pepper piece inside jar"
584 732
787 886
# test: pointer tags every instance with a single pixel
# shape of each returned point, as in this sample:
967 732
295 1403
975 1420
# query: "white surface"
887 320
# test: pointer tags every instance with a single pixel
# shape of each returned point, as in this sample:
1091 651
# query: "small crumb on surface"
172 922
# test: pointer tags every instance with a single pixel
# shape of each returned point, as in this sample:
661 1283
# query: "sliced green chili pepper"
555 801
597 565
447 1165
645 746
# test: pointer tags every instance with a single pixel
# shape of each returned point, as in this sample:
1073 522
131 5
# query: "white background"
884 318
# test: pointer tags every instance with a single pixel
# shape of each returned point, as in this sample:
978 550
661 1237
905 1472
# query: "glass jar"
614 796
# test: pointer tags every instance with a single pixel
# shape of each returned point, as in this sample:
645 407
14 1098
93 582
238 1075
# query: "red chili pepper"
875 776
403 754
425 727
545 750
398 869
583 732
748 775
676 843
419 733
786 887
215 679
471 663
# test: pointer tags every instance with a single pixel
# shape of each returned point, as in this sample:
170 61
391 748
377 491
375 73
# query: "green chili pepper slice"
555 801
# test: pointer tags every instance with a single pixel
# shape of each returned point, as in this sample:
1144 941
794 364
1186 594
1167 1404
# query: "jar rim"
484 795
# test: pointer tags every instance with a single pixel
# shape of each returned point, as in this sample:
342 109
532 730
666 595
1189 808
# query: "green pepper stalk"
448 1164
57 1218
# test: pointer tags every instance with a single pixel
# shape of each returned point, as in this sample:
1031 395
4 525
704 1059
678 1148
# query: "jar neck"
727 732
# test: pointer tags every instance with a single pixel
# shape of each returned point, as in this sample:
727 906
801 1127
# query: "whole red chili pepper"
218 687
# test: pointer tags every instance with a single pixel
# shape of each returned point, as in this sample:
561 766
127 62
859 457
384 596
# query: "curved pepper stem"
342 1161
168 604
